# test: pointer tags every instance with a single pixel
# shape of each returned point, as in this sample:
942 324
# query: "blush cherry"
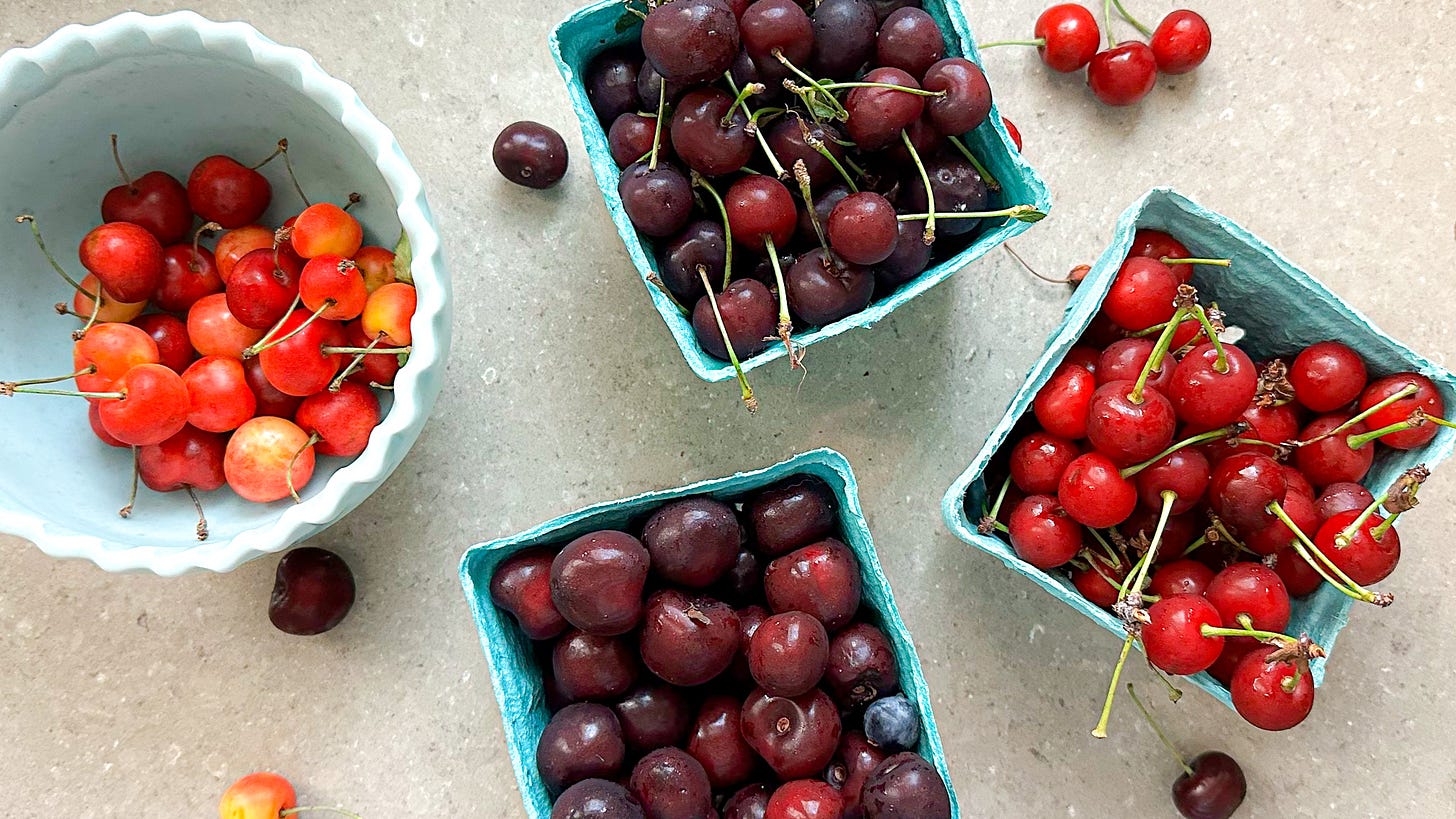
268 459
221 189
1181 42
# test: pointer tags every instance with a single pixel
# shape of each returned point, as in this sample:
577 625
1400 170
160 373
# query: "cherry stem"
358 361
1038 43
971 158
1100 732
268 336
116 156
90 320
840 112
745 391
657 124
1155 358
354 199
195 265
1147 32
995 510
656 282
919 92
1021 213
1441 422
1309 551
1220 364
929 235
1404 392
288 166
1107 21
1029 269
786 324
323 808
1169 260
1202 438
773 161
818 145
1158 729
1174 692
1107 547
703 183
25 219
1381 528
7 389
266 343
801 175
313 438
201 518
11 385
371 350
1194 546
1244 631
1169 498
1357 441
136 466
742 99
1346 535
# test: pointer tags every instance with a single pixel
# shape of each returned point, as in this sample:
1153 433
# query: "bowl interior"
170 109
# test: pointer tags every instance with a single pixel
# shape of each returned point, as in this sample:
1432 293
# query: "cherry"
1094 493
1207 395
1124 74
884 8
219 399
796 736
111 309
113 349
1039 460
343 420
967 100
1426 398
1298 484
1124 359
670 784
1300 579
700 244
261 289
772 27
688 640
333 287
1181 577
750 802
1185 473
522 586
717 743
1043 534
1212 787
853 763
1327 375
1300 508
877 116
1181 42
312 593
152 407
191 459
1274 696
169 333
863 229
760 208
389 310
1342 496
1234 652
125 258
325 229
822 290
743 582
188 274
1062 403
1157 244
1328 460
909 40
788 654
1141 294
690 41
263 454
702 140
654 715
790 514
1372 552
658 201
1129 431
269 400
1274 425
611 84
693 541
596 799
235 244
582 741
1013 132
651 88
909 258
376 265
1178 534
1250 590
821 579
597 580
587 667
1085 357
789 138
958 188
844 37
1242 488
630 138
805 799
1069 36
527 153
155 201
749 314
861 666
1100 581
372 369
93 416
296 363
1173 638
905 785
221 189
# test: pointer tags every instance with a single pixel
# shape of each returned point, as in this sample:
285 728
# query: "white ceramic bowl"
177 88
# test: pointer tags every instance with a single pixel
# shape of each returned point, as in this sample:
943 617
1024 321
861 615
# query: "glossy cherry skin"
844 37
861 666
750 315
262 287
905 785
1181 577
582 741
760 206
126 258
749 619
1157 244
1300 579
658 201
263 454
1039 460
1214 790
174 348
587 667
688 640
1206 398
909 40
1177 534
1243 486
959 188
771 27
219 399
1071 37
908 260
1426 399
530 154
630 136
221 189
298 365
805 799
1099 583
191 458
796 736
788 654
717 742
522 586
700 244
822 290
1342 496
653 715
1043 534
155 406
1061 404
1181 42
611 84
1124 359
155 201
1327 375
597 580
269 400
1094 493
1126 431
1173 640
1367 559
596 799
1274 425
701 140
1272 696
750 802
343 420
877 116
691 42
312 592
1123 75
791 514
1185 473
670 784
1276 535
863 229
821 579
1142 294
1253 590
186 277
967 100
692 541
1331 460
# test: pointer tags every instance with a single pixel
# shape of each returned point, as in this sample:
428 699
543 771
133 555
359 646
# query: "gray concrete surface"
1325 126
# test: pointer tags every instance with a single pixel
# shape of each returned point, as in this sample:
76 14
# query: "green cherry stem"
1194 546
358 361
1158 729
1037 43
813 141
1203 438
773 161
1381 528
8 390
929 235
1363 438
699 181
370 350
971 158
319 808
1107 547
995 511
1323 565
1258 634
786 324
1343 539
919 92
1169 260
1100 732
1155 358
1147 32
1169 498
742 99
839 110
266 343
1405 392
1220 364
1107 21
657 124
745 391
27 219
11 385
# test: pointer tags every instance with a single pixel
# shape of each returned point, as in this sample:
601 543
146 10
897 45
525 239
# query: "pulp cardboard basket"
589 32
1282 309
516 675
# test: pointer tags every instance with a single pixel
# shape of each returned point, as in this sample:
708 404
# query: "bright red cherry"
1094 493
1123 75
1181 42
1185 473
1274 696
1124 359
1426 399
1368 558
1253 590
1039 460
1042 533
1101 580
1243 486
1129 431
1173 638
1156 244
1184 576
1207 397
1061 404
223 190
126 258
1070 37
1276 535
1327 375
1330 459
1300 578
1142 294
805 799
154 407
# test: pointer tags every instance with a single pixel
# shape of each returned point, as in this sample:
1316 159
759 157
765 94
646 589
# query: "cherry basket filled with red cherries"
1214 466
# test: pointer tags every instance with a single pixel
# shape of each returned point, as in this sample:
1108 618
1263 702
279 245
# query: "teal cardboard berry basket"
516 675
1282 309
589 32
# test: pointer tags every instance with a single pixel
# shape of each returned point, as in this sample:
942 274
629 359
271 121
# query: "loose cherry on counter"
1181 42
1123 74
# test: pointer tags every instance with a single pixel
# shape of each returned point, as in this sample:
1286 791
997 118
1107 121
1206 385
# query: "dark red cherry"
967 100
611 85
789 136
651 87
1274 696
312 591
1071 37
905 785
692 541
688 640
155 201
773 27
1342 496
1243 486
750 802
907 261
1039 460
691 41
1367 559
1185 473
1427 399
700 244
1043 534
1142 294
862 666
749 619
1214 790
823 290
958 188
658 201
1253 590
1330 459
717 742
877 116
750 315
805 799
788 654
188 274
863 229
582 741
821 579
653 715
1129 431
1180 44
1181 577
587 667
853 763
174 347
597 580
1099 582
1300 508
1300 578
1207 398
844 37
791 514
909 40
1061 404
700 138
522 586
1173 640
796 736
262 287
630 139
1327 375
758 207
530 154
1094 493
221 189
1123 75
743 582
670 784
596 799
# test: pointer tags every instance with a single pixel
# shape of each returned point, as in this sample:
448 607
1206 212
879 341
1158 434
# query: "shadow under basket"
1282 309
605 25
517 676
